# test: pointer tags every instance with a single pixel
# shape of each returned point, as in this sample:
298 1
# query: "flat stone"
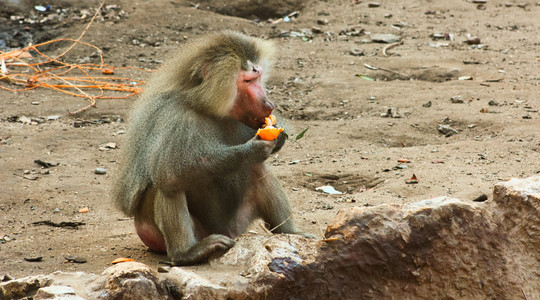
385 38
57 292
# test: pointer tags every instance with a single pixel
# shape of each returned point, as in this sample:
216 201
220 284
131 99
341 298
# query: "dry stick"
524 295
84 32
386 70
264 176
50 59
288 218
387 47
263 226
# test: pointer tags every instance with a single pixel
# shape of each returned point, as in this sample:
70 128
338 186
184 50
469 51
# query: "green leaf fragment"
301 134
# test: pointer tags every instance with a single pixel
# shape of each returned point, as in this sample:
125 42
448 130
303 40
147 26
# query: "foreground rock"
440 248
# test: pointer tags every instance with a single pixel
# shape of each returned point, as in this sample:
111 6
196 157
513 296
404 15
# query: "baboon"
194 174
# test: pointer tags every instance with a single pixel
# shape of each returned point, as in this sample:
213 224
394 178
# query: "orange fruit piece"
121 260
270 121
269 133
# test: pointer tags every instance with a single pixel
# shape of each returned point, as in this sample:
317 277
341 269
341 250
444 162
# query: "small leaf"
301 134
364 77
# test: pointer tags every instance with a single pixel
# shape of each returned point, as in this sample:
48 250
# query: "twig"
288 218
263 226
84 32
387 70
524 295
387 47
264 176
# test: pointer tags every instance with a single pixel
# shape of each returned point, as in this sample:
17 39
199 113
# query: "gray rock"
100 171
23 287
447 130
128 280
57 292
385 38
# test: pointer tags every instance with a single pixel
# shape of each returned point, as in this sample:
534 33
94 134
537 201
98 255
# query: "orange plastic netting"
20 67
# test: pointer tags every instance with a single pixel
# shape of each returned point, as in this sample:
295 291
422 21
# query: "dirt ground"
324 79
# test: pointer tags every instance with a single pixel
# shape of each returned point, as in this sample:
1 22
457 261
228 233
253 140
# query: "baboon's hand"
261 149
207 247
280 141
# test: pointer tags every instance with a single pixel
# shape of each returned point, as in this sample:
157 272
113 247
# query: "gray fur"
190 170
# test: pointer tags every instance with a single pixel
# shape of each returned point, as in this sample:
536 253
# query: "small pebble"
473 41
447 130
34 259
316 30
35 103
384 38
76 259
100 171
456 99
322 21
357 52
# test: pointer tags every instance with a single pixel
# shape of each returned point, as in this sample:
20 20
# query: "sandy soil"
316 83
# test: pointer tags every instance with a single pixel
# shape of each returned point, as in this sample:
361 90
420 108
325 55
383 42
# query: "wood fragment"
61 224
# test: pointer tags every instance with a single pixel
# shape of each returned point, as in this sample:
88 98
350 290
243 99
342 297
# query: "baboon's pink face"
251 105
